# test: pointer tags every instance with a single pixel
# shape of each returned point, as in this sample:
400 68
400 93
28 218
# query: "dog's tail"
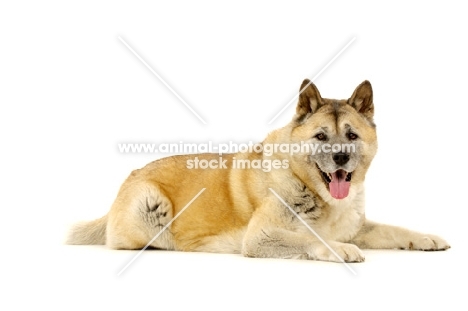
88 232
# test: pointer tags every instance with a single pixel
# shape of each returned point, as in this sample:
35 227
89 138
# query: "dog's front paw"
428 243
341 252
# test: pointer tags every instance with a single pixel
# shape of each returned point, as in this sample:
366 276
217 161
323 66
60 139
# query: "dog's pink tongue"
339 187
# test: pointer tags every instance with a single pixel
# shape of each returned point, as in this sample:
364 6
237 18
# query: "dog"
309 205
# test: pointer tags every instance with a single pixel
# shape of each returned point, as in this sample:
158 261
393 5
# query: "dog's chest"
306 205
340 221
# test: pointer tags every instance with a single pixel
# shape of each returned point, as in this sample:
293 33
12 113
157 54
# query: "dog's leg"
281 243
377 236
139 213
269 236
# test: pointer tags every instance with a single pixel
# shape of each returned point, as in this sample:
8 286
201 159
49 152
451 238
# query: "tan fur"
238 213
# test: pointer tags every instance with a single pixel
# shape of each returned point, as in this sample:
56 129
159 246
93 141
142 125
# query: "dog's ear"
362 99
309 99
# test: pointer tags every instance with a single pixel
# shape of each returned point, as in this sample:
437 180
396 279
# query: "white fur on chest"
340 219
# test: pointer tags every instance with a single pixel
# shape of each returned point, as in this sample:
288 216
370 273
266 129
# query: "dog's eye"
352 136
321 136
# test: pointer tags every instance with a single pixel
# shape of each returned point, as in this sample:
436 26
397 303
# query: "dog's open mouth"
338 182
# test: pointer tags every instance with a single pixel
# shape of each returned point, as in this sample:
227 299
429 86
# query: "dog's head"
341 135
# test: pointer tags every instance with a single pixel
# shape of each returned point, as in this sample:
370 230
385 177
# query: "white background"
70 91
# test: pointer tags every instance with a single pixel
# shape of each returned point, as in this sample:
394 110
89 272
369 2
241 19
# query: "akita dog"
261 213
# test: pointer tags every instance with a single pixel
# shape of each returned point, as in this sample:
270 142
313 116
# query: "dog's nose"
341 158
